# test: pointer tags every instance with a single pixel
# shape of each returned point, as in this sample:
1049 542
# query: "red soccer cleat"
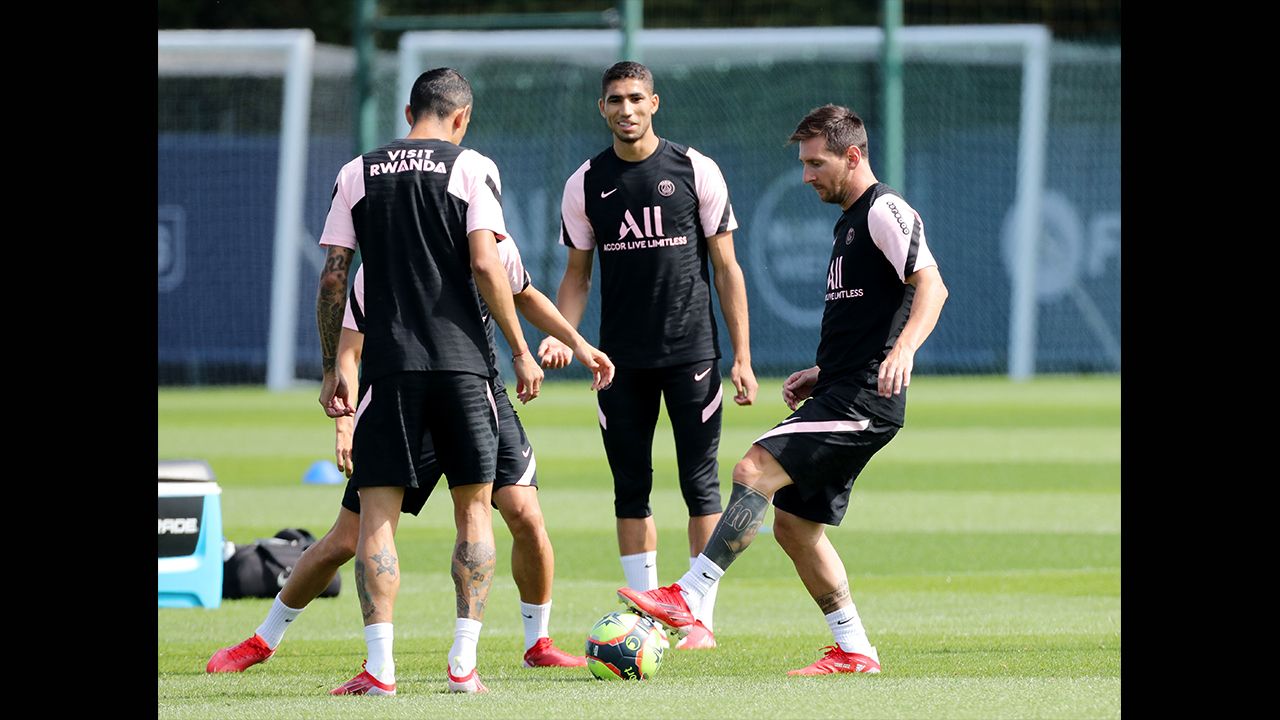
364 684
545 654
839 661
468 684
699 638
664 604
238 657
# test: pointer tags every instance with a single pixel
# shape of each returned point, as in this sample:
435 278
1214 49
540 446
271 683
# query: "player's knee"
523 520
335 548
747 471
793 534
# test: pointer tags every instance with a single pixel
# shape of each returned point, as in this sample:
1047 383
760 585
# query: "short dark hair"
625 70
841 126
439 91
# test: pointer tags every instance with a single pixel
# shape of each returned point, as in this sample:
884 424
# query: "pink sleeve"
475 180
715 210
896 228
513 265
347 191
575 229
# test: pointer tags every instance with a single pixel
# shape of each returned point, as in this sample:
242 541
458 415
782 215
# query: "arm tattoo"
331 303
367 608
737 527
472 575
386 562
834 600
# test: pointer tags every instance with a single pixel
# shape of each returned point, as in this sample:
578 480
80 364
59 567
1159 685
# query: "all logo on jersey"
848 239
835 282
648 236
403 160
666 188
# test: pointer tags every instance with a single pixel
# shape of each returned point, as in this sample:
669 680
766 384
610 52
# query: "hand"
598 363
528 377
744 381
335 396
554 354
346 428
895 370
797 388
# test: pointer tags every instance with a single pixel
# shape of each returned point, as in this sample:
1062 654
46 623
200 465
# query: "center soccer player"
656 210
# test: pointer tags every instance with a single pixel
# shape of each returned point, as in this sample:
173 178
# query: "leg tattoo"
472 572
367 608
834 600
386 562
737 527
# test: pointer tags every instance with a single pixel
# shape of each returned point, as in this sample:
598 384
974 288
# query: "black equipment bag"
262 567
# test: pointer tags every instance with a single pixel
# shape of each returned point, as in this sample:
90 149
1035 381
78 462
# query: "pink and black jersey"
408 207
650 220
879 241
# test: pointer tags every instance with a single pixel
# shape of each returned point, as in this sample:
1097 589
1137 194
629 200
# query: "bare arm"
931 293
491 281
331 303
350 347
732 289
540 311
571 300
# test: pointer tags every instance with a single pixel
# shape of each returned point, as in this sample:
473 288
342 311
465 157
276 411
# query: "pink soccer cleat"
839 661
545 654
468 684
239 657
364 684
664 604
699 638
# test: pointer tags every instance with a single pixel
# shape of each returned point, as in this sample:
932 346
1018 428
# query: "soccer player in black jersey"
426 214
883 297
657 211
515 495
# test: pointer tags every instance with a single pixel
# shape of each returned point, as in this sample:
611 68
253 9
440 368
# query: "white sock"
536 619
378 637
278 619
847 629
701 579
641 570
462 656
708 610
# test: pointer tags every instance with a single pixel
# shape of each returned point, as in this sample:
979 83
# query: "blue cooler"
189 535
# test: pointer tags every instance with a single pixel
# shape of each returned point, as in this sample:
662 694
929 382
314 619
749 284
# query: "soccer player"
656 210
427 215
515 496
883 298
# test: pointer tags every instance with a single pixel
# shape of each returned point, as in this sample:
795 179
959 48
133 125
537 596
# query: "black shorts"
516 463
628 413
823 446
400 413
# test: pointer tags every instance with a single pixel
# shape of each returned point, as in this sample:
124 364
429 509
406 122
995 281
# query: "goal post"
287 53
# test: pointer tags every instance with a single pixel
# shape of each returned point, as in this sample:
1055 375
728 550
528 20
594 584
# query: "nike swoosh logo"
784 422
841 622
607 194
648 566
525 452
708 577
699 376
528 616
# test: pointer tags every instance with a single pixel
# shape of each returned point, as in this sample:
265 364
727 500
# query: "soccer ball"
625 646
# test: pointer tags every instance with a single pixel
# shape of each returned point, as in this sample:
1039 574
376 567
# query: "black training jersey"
879 241
517 276
650 220
408 206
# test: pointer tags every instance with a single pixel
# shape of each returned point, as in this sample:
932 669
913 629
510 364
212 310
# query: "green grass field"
982 545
